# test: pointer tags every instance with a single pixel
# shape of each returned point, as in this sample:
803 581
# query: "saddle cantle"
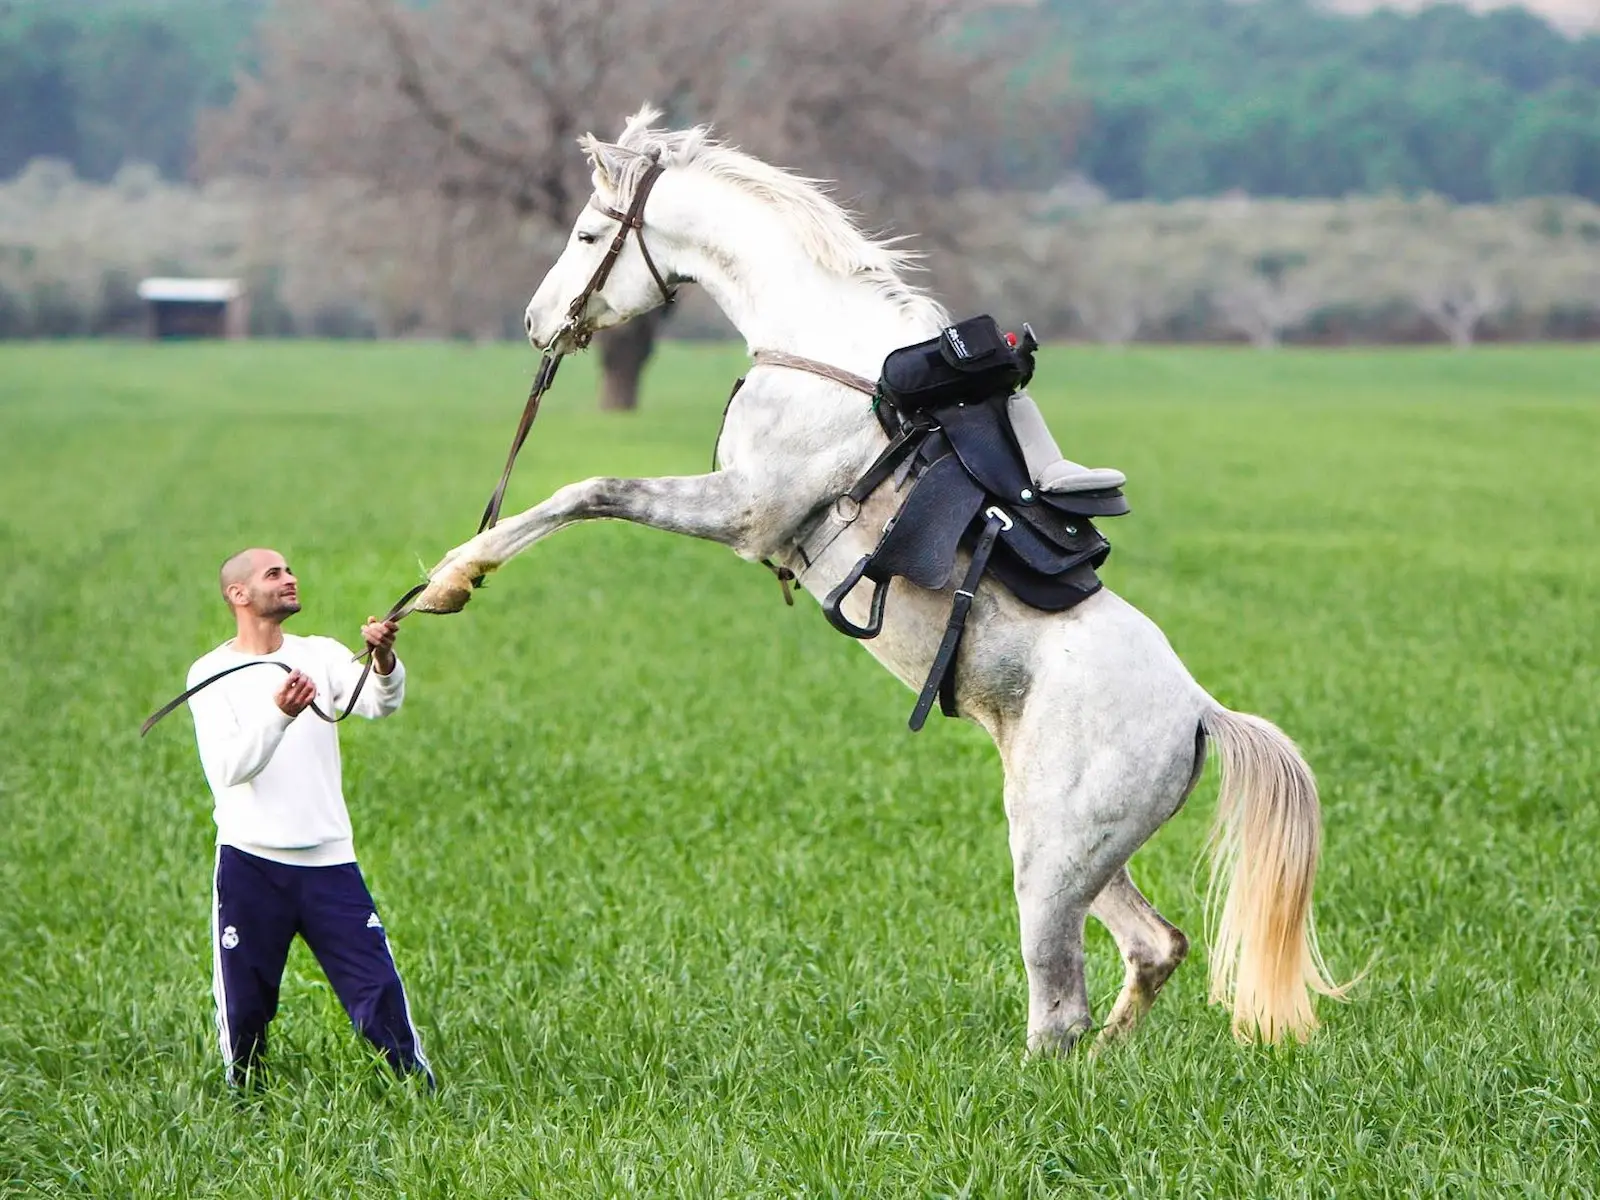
943 404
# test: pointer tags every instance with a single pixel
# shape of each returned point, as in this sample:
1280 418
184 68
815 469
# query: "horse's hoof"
1109 1038
1056 1041
448 593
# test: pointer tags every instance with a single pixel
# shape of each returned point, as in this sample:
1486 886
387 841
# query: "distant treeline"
100 83
329 260
1173 97
1278 98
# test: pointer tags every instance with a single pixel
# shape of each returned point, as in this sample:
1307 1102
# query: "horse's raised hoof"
441 597
449 589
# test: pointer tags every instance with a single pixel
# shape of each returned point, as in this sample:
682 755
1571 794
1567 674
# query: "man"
286 863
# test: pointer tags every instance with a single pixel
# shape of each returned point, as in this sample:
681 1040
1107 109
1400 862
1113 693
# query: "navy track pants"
259 906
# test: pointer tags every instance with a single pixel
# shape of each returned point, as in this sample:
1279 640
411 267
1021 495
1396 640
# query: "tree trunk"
624 351
1462 328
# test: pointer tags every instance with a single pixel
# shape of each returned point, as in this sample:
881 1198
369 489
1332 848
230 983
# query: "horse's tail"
1264 847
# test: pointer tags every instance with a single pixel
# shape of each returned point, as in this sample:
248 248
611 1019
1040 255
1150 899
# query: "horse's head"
616 263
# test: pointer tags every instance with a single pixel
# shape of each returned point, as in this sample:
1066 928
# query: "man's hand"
296 694
380 636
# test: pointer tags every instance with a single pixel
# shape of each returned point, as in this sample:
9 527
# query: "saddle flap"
921 540
981 438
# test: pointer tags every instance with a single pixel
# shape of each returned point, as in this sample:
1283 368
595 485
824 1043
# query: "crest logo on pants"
230 937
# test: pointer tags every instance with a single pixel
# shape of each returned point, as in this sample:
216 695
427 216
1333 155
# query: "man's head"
259 583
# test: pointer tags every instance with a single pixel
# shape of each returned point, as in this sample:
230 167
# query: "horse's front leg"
719 507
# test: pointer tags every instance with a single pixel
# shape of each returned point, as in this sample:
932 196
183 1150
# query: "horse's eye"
586 238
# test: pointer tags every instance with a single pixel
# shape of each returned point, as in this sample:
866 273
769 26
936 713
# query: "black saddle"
968 488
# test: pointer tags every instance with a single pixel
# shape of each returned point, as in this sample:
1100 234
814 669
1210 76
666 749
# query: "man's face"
271 589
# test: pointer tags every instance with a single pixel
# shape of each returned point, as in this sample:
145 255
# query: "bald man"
286 861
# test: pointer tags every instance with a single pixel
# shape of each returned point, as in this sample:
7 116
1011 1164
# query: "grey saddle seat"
1049 469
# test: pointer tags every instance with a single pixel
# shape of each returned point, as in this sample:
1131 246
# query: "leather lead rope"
402 607
542 380
630 221
399 609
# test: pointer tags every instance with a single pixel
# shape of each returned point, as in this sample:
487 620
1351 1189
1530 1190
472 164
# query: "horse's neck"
766 283
778 298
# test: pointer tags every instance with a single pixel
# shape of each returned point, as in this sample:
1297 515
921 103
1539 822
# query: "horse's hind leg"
1090 775
1151 949
1059 864
1052 953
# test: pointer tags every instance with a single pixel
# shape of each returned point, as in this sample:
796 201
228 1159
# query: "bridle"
630 221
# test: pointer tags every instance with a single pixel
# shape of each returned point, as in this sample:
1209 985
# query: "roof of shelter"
193 290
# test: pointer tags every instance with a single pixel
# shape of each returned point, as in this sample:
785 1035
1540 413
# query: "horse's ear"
605 158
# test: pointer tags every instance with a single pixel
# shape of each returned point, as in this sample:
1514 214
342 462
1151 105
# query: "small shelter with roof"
194 308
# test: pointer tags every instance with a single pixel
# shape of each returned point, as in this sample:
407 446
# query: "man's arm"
385 690
238 730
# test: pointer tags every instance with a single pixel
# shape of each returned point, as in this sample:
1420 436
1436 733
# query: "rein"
630 221
399 610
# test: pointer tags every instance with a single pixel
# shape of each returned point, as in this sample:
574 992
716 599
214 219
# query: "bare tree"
1263 308
1110 311
479 102
1112 298
624 350
1458 302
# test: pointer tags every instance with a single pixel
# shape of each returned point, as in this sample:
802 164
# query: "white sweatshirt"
276 779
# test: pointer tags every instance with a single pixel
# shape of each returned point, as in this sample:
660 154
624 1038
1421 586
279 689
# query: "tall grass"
682 907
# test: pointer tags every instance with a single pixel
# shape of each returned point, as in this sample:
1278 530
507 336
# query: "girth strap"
944 660
842 513
903 443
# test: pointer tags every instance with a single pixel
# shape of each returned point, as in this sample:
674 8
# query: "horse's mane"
828 233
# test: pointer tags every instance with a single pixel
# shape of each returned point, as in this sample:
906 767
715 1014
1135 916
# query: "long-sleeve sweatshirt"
276 780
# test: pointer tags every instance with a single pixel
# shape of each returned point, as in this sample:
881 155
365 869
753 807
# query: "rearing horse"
1101 730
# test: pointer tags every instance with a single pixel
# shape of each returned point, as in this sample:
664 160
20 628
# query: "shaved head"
236 568
258 582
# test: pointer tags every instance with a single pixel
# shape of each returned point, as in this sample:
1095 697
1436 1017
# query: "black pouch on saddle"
969 361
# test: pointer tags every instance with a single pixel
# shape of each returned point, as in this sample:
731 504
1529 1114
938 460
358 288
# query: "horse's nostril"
527 323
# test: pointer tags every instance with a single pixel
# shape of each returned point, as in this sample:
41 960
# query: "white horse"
1101 731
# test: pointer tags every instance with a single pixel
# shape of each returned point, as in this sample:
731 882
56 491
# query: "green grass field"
682 906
